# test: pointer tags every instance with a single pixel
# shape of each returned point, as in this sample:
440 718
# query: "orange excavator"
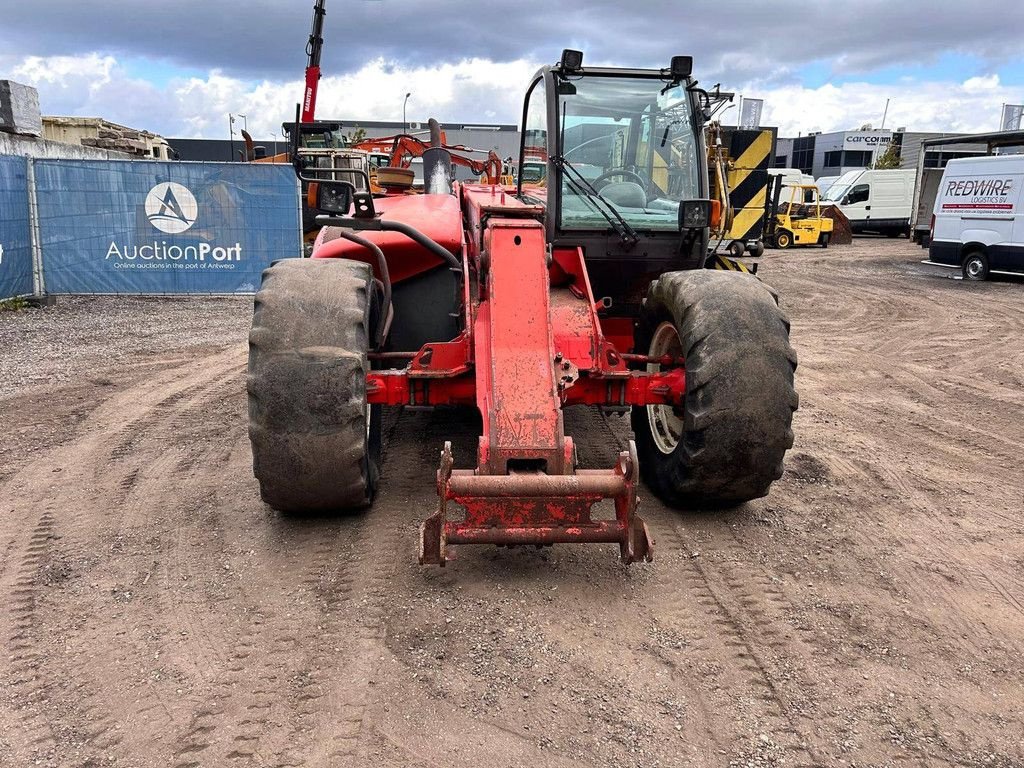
404 148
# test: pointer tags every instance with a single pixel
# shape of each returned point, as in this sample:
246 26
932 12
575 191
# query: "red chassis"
533 342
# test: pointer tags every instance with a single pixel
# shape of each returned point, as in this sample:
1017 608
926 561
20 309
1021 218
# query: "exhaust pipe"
437 164
435 132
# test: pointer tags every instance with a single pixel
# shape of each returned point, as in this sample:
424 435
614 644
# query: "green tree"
889 159
356 136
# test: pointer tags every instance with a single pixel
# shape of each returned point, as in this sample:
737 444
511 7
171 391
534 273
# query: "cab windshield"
632 140
837 191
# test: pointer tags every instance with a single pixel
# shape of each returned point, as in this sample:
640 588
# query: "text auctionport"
161 251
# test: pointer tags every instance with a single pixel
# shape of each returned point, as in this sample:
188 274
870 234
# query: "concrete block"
19 109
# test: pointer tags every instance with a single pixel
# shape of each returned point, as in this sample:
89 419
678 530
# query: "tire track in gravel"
63 484
295 689
730 621
25 687
143 455
352 604
752 644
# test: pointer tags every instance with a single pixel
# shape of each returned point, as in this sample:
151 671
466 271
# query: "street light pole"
405 125
231 135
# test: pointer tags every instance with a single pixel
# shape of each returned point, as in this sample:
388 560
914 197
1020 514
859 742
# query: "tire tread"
740 394
306 385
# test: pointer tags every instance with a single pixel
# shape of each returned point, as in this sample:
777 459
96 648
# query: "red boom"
533 343
309 98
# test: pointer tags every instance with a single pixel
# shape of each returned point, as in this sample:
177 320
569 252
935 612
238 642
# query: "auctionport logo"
171 208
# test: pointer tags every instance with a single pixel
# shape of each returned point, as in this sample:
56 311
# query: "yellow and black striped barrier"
751 151
732 265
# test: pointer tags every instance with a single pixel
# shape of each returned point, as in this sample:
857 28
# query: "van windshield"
842 185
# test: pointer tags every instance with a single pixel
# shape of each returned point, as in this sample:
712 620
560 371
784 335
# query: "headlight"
694 214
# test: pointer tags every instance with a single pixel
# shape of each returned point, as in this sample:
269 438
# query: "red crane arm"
313 50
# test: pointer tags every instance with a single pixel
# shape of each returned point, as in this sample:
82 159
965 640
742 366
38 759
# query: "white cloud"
58 70
971 106
469 90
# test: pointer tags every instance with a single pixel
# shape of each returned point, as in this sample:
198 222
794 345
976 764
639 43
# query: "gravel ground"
869 612
83 334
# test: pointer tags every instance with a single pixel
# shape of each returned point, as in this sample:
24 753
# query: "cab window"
859 194
533 163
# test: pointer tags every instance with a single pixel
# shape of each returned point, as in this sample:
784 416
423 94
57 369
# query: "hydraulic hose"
385 277
419 237
383 225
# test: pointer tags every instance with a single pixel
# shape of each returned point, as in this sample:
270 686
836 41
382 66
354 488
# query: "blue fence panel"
109 226
15 230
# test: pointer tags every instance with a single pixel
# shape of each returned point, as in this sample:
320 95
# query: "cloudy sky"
179 68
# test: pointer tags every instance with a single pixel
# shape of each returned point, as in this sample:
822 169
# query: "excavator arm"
401 149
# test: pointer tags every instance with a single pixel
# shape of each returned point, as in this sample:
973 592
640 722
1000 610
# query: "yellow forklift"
799 221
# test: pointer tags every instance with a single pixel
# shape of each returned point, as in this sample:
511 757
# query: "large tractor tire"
726 445
315 442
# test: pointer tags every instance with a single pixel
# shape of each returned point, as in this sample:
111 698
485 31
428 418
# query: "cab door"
857 203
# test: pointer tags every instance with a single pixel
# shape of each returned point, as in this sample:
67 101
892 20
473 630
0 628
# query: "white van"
791 177
875 201
978 223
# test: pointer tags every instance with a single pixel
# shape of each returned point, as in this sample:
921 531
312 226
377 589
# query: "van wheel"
975 266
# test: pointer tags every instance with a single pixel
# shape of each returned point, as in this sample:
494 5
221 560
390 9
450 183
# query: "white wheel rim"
666 426
974 267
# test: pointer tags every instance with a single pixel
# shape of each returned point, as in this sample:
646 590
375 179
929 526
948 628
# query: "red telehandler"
520 302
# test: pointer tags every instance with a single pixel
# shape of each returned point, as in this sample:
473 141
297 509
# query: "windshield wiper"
580 184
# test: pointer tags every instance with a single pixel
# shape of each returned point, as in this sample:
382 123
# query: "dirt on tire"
739 389
869 611
309 427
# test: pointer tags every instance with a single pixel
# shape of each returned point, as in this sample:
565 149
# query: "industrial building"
502 138
833 154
